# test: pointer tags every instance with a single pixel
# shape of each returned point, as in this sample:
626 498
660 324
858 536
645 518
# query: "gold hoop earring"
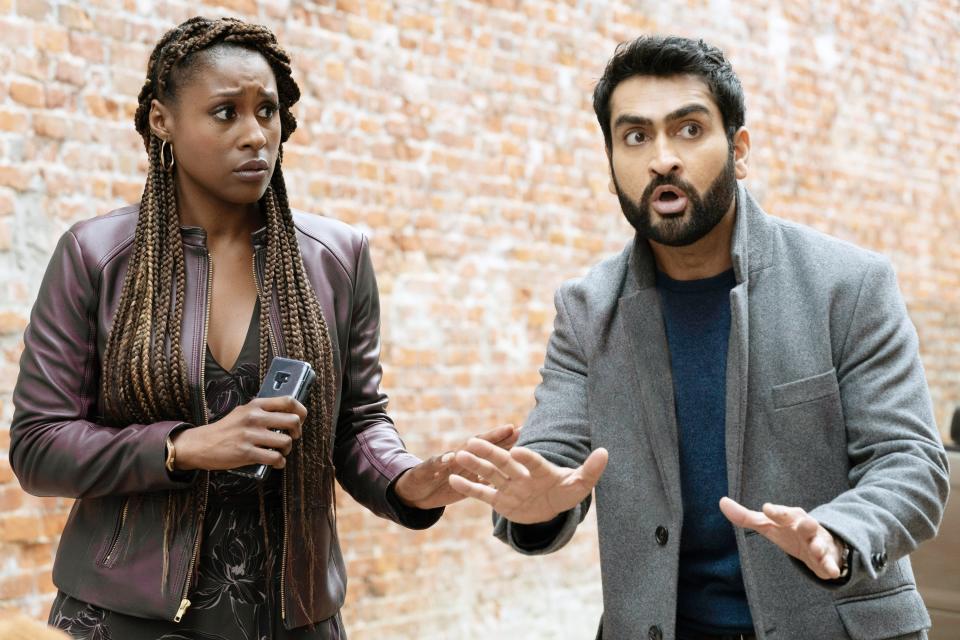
164 145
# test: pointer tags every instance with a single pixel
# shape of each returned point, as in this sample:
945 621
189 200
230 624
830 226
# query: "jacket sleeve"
557 429
898 468
368 453
56 447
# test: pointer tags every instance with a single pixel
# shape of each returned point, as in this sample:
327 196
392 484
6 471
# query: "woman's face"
224 126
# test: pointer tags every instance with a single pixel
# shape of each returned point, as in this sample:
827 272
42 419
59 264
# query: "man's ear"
161 120
741 152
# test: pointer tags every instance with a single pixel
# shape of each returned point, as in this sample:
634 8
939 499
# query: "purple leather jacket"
110 555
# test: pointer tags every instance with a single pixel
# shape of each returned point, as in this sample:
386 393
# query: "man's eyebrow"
628 118
687 110
677 114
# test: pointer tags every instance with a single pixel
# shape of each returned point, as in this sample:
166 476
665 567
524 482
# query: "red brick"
17 585
87 46
12 323
27 93
75 17
19 528
50 126
129 191
12 120
33 9
71 71
14 177
50 39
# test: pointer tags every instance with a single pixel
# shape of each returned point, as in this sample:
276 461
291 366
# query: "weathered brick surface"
460 136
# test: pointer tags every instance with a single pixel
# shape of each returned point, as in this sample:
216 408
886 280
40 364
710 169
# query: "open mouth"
669 200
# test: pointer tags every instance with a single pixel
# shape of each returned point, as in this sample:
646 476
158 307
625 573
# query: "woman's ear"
161 120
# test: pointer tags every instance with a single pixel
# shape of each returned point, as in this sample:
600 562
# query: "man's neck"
707 257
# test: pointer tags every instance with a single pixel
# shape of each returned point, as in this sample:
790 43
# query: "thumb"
593 467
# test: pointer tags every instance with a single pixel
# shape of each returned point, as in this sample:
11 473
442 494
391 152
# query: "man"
746 375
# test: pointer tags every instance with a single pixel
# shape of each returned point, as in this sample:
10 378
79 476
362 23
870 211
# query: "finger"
809 529
830 567
269 457
282 404
288 422
481 467
782 515
532 461
472 489
498 435
740 516
496 456
267 439
592 468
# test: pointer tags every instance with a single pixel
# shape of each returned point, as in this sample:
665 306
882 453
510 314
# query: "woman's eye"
635 138
267 111
691 130
225 113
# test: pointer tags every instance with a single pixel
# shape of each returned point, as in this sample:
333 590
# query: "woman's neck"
223 221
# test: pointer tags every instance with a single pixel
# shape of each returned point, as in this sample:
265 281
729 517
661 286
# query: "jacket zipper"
184 601
116 536
283 554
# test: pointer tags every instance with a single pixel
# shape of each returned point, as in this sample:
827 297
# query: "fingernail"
447 457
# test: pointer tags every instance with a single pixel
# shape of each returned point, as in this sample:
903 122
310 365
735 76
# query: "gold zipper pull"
184 604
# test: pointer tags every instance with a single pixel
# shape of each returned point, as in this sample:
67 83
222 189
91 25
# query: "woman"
147 342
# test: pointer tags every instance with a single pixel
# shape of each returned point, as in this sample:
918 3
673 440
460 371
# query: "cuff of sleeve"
411 517
550 535
531 537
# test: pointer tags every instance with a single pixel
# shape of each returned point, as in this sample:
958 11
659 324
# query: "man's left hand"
793 530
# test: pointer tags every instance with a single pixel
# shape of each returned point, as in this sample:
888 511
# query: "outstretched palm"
793 530
521 485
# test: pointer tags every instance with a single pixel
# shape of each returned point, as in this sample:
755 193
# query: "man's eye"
267 111
635 138
225 113
691 130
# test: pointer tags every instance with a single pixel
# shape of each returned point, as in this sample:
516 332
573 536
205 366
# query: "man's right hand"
521 485
242 437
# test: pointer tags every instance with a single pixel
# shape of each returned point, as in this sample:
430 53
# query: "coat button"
662 535
654 633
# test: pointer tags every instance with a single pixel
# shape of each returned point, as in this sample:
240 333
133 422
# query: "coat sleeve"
368 453
56 446
557 429
898 468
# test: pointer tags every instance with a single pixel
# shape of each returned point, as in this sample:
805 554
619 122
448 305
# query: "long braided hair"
144 371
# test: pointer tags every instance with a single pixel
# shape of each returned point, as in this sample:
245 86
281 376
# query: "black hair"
665 56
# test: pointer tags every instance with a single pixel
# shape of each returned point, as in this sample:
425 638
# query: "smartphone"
285 377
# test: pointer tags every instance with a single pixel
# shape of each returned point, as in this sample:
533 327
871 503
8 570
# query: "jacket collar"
197 236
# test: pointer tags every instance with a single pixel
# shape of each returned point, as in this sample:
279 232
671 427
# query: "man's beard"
681 231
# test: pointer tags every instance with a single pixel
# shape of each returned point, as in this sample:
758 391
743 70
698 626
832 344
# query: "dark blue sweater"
696 314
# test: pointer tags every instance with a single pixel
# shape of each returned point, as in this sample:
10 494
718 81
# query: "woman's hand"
242 437
425 486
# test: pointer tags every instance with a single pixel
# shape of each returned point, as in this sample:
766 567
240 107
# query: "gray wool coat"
827 409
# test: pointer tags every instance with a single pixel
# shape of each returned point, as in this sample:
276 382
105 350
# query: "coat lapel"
750 251
644 329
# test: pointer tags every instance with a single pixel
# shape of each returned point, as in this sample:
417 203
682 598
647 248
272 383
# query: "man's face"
671 164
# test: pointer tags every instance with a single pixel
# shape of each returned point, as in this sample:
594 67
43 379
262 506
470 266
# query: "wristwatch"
171 455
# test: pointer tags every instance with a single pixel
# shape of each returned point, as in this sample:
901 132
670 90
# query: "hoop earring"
164 145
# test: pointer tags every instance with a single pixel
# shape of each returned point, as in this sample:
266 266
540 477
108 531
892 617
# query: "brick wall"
459 135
